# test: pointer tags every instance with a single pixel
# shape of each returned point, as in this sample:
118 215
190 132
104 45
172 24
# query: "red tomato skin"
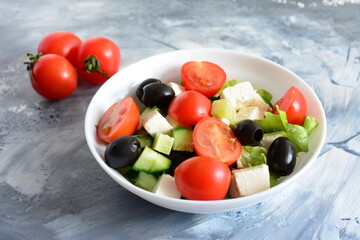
294 104
107 53
189 108
121 119
202 76
61 43
215 139
202 178
53 77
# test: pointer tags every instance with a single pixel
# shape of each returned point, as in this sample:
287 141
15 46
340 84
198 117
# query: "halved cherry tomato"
52 76
294 104
215 139
202 178
99 59
121 119
204 77
189 108
61 43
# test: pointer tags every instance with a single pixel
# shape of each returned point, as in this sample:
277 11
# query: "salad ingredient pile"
208 139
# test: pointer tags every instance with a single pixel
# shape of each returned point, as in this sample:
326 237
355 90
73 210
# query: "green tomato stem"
92 65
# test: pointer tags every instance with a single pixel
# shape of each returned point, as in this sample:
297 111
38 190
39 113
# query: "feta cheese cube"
244 95
177 88
248 113
248 181
226 121
154 123
166 187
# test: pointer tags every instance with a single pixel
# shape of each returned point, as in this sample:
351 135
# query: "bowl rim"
182 204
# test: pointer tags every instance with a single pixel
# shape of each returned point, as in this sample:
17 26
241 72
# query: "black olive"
281 157
176 158
248 132
157 94
140 88
122 152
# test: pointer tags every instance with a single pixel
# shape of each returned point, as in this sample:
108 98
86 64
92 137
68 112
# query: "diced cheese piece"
248 181
244 95
225 120
248 113
154 123
166 187
239 163
176 124
144 114
177 88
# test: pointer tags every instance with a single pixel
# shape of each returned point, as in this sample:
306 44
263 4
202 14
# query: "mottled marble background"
52 188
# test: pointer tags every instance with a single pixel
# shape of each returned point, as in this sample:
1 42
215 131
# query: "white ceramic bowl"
260 72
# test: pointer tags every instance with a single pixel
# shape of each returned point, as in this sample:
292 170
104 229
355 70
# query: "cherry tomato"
52 76
99 59
204 77
189 108
61 43
215 139
294 104
121 119
202 178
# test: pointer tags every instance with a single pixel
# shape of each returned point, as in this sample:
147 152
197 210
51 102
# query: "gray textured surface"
52 188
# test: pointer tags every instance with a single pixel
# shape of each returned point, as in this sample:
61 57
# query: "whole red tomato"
61 43
202 178
99 59
189 107
52 76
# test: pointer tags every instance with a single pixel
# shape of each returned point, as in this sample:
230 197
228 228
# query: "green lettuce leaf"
253 156
271 123
226 84
310 124
297 134
266 96
273 180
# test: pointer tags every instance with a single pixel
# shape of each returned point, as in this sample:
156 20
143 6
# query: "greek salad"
206 138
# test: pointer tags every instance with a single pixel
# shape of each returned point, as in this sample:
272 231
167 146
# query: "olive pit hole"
258 135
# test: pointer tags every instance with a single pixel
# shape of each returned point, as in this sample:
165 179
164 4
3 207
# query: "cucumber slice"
161 164
223 108
129 173
146 181
151 161
268 138
183 140
163 143
144 140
